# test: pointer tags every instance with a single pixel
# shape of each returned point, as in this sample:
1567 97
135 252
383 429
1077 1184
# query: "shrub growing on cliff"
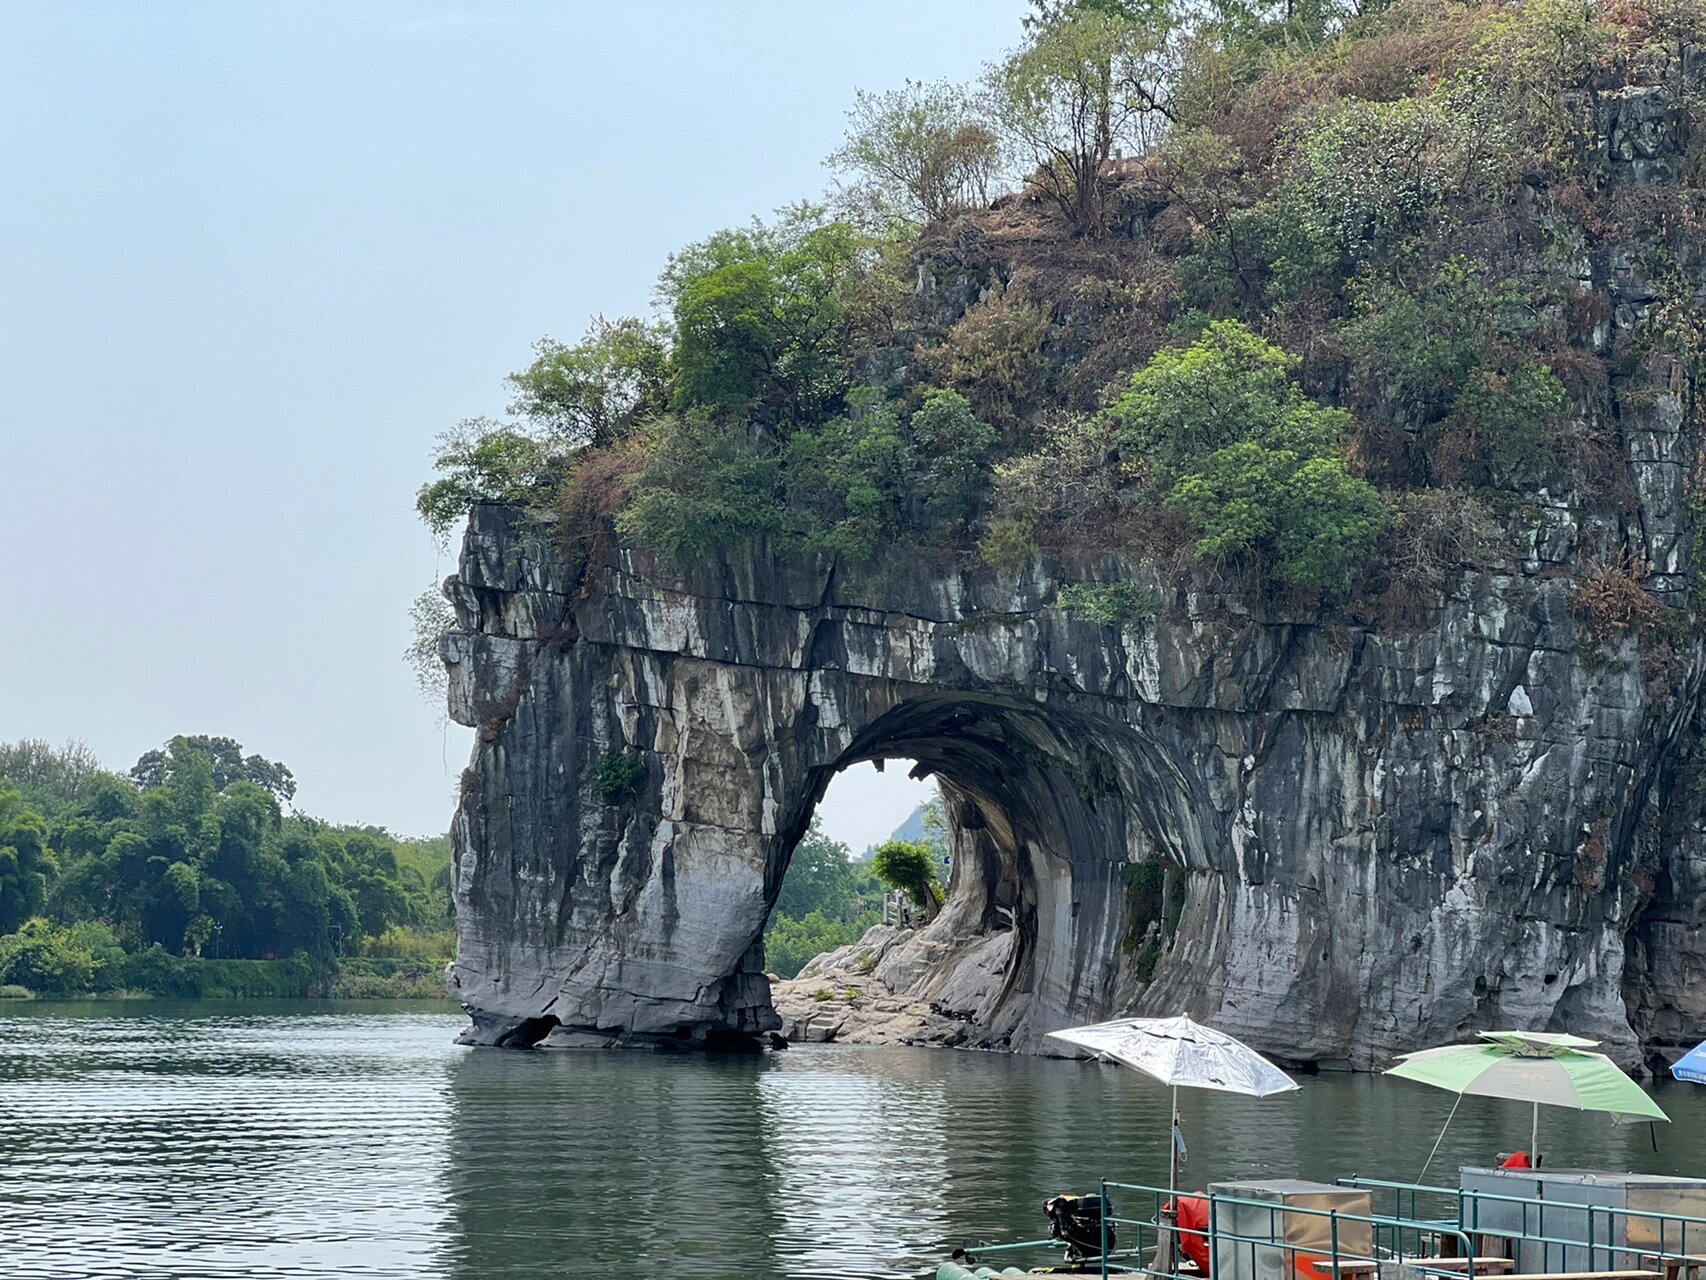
956 446
994 357
486 461
702 488
430 618
763 314
852 484
1453 354
1228 436
620 774
864 481
1110 604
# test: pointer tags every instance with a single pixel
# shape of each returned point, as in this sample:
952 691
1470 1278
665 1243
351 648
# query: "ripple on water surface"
239 1139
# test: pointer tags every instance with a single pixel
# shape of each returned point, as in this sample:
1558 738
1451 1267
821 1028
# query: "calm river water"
236 1139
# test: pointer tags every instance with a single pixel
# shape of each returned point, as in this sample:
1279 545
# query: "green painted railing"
1673 1237
1404 1236
1141 1235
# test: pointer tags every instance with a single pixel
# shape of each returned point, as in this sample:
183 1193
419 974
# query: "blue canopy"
1692 1065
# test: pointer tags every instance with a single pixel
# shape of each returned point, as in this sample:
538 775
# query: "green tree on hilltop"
50 778
918 153
594 392
226 764
763 313
1086 84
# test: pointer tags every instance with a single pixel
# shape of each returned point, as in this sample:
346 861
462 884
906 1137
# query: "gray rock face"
1331 839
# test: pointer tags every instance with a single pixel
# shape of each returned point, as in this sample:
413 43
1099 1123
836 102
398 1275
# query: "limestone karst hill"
1288 566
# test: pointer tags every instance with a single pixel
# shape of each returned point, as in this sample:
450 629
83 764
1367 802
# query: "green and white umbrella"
1535 1067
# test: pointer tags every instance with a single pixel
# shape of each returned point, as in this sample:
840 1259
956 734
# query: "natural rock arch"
1044 819
1376 849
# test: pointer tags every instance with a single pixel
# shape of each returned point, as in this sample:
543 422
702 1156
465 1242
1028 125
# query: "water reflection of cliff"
647 1164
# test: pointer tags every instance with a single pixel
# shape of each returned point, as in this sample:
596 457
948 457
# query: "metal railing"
1326 1258
1608 1238
1314 1259
1580 1233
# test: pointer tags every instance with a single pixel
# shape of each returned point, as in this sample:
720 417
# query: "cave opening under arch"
1055 827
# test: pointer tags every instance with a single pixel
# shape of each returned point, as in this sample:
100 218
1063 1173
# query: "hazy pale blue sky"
255 256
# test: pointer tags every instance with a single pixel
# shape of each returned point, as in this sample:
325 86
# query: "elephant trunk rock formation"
1334 839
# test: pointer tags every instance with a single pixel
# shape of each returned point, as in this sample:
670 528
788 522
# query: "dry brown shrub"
1590 859
1400 52
1584 374
1434 534
994 357
1599 466
1611 602
1585 313
591 499
1652 30
1455 455
1124 322
1661 667
1305 325
1164 538
1384 453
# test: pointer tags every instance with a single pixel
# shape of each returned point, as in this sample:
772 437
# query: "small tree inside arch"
910 866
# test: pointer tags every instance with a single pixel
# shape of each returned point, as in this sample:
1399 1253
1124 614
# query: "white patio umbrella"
1182 1054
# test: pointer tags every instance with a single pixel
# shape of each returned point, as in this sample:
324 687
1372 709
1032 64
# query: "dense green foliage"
1223 432
619 776
826 901
595 391
225 761
1111 604
50 778
1287 296
910 866
128 882
26 863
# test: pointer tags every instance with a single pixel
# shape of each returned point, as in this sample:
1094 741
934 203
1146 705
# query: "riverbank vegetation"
191 876
1286 297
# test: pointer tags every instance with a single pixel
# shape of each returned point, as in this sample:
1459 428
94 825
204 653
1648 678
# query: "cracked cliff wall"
1386 838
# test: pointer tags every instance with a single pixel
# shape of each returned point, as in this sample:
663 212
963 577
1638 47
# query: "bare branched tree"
429 617
918 153
1086 85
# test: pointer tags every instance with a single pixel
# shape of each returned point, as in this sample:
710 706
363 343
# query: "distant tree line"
193 854
827 901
